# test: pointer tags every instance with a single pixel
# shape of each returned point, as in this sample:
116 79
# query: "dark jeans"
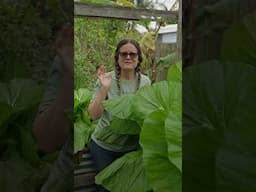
102 158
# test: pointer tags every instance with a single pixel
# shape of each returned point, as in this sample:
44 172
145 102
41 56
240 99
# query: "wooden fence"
163 49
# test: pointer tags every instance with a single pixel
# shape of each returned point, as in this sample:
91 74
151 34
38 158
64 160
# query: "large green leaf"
161 173
237 148
83 127
219 124
175 72
20 93
119 107
238 54
82 134
173 137
239 41
125 126
162 95
85 116
167 60
81 96
202 122
124 174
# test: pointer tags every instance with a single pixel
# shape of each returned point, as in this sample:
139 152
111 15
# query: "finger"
99 70
103 69
99 73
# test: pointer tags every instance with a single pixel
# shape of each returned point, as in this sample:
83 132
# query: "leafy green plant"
19 157
19 96
125 174
155 114
83 127
219 114
26 38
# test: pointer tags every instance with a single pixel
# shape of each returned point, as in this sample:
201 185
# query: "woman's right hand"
105 81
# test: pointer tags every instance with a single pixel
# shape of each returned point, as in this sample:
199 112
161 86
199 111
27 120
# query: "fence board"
84 174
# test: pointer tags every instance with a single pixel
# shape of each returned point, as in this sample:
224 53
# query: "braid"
137 70
118 75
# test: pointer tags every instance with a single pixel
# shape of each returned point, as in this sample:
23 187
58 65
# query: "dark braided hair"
118 68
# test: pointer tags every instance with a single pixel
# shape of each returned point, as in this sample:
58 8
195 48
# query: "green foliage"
166 61
19 156
157 111
126 170
26 36
17 36
27 33
83 127
173 72
19 98
219 109
161 172
120 107
127 126
95 43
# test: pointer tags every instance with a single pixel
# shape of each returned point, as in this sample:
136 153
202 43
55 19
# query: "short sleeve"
145 81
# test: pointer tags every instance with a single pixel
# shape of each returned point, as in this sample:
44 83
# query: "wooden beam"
119 12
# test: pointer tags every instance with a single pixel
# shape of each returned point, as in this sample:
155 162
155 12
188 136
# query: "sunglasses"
125 54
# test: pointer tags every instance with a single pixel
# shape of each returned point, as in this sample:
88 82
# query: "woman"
106 145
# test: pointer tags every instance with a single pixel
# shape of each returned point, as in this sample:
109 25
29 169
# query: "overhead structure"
119 12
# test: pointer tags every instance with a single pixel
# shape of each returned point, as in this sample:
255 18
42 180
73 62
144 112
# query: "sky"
167 3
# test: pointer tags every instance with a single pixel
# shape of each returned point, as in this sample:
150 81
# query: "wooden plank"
119 12
84 180
88 189
84 174
85 163
84 170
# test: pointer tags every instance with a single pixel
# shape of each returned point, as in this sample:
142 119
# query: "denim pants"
102 158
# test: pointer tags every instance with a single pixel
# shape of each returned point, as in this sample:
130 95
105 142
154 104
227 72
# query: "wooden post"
179 32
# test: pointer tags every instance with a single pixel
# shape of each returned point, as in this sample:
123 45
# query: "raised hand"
105 81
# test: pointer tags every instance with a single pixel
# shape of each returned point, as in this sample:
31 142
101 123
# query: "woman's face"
128 57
